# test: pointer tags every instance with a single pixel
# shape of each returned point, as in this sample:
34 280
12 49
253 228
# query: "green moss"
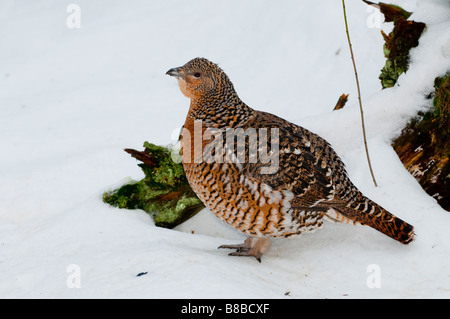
398 43
170 213
166 172
390 73
164 192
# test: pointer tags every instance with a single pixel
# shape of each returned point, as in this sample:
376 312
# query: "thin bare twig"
359 94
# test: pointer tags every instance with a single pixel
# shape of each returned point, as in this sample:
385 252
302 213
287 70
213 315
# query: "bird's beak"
174 72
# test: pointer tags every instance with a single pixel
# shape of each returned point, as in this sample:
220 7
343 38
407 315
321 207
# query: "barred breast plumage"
261 174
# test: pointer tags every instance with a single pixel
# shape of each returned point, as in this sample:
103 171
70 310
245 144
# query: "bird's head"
200 77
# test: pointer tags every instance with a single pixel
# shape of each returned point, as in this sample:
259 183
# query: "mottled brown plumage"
299 183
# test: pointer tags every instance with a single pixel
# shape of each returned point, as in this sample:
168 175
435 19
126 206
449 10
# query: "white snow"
72 99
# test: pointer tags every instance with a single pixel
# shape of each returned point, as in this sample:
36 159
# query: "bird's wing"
297 160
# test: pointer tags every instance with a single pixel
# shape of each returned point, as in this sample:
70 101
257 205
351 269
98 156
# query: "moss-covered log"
398 43
164 192
424 145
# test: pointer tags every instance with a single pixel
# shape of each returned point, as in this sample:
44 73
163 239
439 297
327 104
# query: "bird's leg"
253 246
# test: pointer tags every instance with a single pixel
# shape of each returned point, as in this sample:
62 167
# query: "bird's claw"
252 246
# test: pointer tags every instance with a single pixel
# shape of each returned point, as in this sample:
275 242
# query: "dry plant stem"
359 95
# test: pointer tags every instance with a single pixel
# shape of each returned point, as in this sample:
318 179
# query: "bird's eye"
197 75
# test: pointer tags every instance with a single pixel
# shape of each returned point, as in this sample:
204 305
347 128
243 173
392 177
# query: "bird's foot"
253 246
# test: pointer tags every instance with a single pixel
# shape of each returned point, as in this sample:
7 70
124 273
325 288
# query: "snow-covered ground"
72 98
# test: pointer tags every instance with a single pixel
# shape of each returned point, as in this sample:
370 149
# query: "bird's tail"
367 212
